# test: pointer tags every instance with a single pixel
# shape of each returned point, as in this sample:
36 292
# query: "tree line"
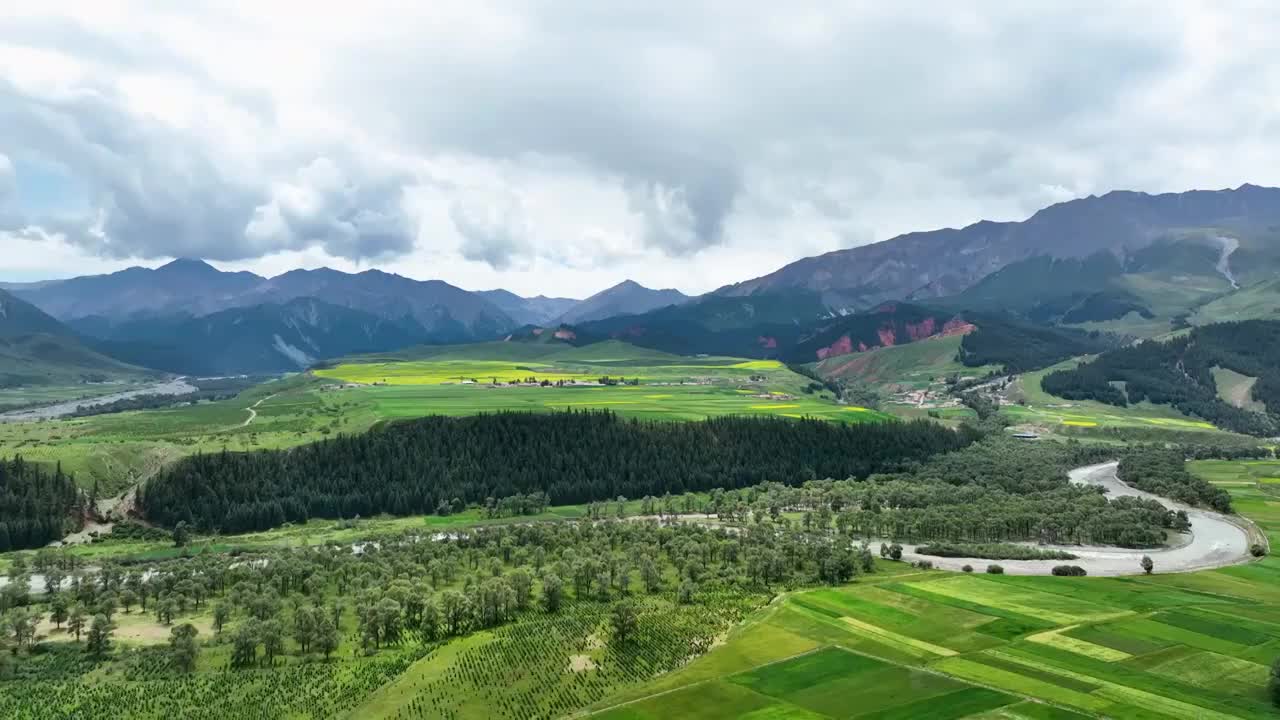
36 505
422 465
1020 346
1179 372
1164 472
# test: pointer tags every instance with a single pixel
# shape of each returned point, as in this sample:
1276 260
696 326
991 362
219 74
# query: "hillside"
941 263
36 349
1183 372
263 338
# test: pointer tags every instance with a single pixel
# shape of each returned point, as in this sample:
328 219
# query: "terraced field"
912 644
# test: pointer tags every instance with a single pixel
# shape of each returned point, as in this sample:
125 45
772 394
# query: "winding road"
1215 540
253 410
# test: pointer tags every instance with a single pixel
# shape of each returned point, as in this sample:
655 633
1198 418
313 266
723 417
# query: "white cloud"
559 148
7 178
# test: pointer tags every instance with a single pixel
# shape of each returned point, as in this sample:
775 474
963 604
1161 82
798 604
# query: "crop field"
468 380
912 644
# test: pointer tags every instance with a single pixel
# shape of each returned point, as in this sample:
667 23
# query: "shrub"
967 568
1069 571
923 564
992 551
1273 683
1257 550
995 570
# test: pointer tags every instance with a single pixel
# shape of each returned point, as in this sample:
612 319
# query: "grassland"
114 451
467 380
1028 404
911 644
914 366
1237 389
1257 301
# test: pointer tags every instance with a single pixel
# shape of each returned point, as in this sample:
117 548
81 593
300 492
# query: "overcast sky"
560 147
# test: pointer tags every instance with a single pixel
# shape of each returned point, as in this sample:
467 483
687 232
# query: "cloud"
7 179
493 230
174 168
347 217
523 143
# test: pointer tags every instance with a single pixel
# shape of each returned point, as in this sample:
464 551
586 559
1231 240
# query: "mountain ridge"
937 263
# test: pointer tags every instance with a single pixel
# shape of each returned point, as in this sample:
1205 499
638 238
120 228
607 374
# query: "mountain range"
191 318
1129 263
941 263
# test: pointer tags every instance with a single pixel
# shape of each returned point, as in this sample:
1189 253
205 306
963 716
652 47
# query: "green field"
909 644
116 450
1034 407
488 378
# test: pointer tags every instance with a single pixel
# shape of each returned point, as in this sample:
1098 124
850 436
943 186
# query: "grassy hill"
37 350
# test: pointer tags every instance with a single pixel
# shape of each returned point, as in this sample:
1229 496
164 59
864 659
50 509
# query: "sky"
560 147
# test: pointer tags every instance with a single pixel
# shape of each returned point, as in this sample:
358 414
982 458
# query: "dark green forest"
1020 346
1179 372
435 463
1163 472
35 505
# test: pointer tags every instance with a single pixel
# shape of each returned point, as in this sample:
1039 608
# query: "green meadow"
1033 406
903 643
654 385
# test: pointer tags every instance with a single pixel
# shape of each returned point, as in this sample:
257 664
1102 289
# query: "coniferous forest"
431 464
35 505
1180 373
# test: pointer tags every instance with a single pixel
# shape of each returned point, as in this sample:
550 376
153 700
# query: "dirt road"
253 411
1215 540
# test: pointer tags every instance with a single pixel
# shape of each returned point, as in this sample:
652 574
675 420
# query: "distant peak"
188 264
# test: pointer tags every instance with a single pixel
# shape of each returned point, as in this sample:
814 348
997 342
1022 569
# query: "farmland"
117 449
490 377
985 646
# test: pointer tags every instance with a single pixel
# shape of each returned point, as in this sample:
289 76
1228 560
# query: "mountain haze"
261 338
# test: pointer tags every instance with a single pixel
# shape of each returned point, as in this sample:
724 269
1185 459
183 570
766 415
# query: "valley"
1038 490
